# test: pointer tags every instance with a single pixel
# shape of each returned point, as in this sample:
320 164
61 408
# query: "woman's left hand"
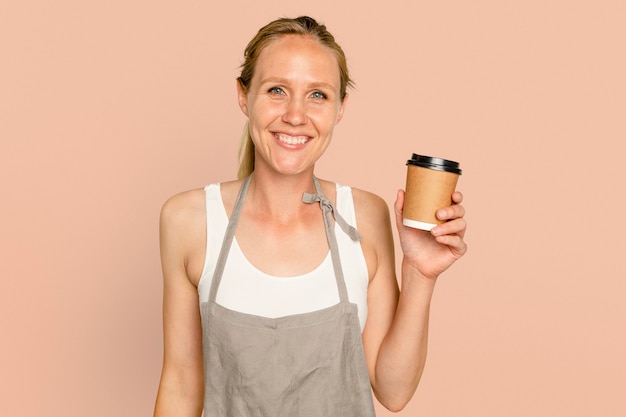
433 252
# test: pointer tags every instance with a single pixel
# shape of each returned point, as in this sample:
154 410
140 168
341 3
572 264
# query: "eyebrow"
285 81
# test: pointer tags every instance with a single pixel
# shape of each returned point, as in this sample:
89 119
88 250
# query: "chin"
291 169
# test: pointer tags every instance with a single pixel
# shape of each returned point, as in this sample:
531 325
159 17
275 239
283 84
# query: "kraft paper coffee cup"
430 183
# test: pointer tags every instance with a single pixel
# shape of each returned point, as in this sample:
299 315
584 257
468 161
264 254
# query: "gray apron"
309 364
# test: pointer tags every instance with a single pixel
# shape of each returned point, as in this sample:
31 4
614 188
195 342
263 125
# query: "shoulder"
359 196
370 207
182 234
182 215
183 207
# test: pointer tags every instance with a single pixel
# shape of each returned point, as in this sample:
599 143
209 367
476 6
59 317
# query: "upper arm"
382 294
181 230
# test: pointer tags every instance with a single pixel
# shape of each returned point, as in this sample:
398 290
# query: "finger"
453 227
456 244
399 204
457 197
451 212
398 207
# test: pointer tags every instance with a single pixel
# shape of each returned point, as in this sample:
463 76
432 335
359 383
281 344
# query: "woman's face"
293 103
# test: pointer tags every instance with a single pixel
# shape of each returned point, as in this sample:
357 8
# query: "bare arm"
396 333
181 387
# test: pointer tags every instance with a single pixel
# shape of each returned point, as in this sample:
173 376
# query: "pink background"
108 108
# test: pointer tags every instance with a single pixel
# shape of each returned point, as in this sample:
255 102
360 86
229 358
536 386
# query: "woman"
268 283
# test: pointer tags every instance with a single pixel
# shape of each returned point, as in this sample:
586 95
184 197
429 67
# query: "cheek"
263 111
325 119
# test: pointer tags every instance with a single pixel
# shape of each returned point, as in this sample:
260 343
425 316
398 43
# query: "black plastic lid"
434 163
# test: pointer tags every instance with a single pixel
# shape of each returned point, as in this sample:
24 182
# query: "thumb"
399 206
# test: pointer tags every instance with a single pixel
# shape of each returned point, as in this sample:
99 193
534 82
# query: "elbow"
395 403
395 406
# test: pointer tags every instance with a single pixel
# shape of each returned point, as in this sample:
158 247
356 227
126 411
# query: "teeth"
290 140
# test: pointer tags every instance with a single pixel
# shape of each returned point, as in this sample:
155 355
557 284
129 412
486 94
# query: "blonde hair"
302 25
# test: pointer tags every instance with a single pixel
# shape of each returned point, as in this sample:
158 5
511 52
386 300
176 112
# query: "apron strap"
228 239
328 210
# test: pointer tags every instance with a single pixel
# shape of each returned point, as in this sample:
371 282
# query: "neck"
280 195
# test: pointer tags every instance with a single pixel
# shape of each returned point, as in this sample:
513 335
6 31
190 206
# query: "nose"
295 112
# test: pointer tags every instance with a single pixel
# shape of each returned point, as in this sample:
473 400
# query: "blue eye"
318 95
276 90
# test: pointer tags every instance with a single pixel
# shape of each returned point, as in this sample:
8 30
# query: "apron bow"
329 208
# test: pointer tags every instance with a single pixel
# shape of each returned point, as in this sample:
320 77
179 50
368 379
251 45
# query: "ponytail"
246 154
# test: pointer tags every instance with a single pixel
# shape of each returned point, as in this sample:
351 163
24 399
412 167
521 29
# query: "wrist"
412 277
412 270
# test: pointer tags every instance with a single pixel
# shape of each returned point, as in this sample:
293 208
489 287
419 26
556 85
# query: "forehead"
298 56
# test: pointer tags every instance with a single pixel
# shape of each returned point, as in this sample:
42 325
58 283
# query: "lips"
291 140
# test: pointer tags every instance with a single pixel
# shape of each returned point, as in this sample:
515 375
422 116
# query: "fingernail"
441 214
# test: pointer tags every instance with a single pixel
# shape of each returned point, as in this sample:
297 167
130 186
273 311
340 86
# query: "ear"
242 97
342 107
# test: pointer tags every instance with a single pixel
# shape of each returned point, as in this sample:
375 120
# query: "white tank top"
246 289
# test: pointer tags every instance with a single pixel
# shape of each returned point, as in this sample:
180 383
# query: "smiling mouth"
291 140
